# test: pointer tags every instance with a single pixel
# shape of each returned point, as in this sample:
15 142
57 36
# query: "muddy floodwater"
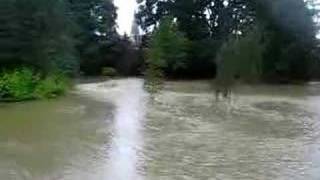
115 130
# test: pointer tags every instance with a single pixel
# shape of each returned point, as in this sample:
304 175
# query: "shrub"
108 71
23 84
53 85
18 84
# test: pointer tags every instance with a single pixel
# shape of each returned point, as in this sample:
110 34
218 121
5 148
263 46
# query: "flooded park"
115 130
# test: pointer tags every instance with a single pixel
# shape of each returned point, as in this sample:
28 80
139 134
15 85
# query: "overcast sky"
125 15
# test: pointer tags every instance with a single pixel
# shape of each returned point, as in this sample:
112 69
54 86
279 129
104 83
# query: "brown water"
115 131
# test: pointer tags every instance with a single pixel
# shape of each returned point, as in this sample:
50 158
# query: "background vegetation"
24 84
43 42
261 40
251 40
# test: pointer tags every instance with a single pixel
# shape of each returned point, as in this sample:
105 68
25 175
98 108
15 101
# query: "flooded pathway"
130 101
114 130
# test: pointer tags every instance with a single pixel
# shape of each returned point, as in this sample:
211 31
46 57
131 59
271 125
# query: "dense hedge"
24 84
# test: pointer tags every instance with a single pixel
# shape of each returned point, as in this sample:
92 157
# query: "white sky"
125 15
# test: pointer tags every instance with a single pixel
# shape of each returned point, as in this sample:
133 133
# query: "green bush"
24 84
53 85
108 71
18 84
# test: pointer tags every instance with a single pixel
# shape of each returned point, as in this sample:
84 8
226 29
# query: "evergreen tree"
35 33
168 47
167 53
287 28
290 30
95 31
8 38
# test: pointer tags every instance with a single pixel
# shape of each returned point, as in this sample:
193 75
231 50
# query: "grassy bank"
25 84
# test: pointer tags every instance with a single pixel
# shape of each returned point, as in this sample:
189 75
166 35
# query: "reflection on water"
130 99
112 131
127 136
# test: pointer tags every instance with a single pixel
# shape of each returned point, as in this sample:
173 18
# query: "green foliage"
95 32
250 50
108 71
287 29
242 58
154 79
18 84
54 35
199 20
23 84
36 33
168 47
167 52
51 86
72 35
291 33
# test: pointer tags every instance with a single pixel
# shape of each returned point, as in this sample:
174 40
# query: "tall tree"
205 23
35 33
291 33
95 30
8 38
168 47
287 27
198 19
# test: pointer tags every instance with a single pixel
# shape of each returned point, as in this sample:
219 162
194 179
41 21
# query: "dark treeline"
273 41
249 39
35 33
42 42
67 35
